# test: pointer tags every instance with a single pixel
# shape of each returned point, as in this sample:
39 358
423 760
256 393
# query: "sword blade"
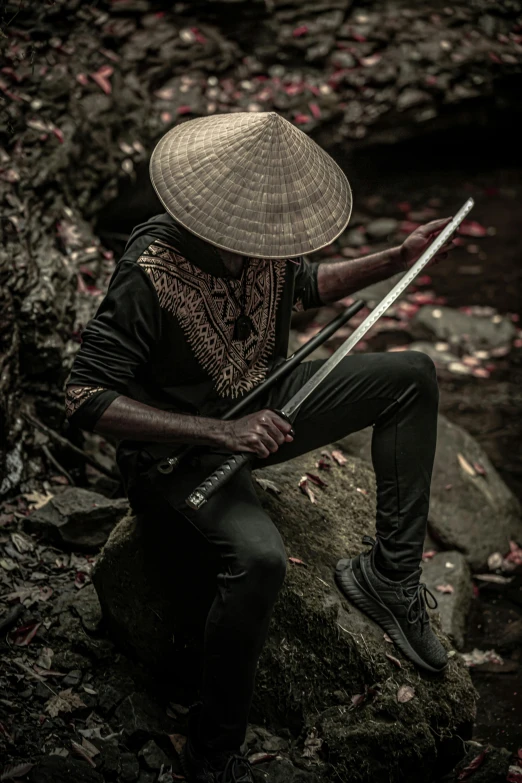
311 385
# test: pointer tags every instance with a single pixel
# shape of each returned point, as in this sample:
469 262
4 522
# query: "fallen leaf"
358 699
514 774
305 489
477 657
405 693
339 457
317 480
477 762
13 771
466 466
394 660
101 77
45 658
387 639
260 757
22 636
83 753
296 561
22 543
445 588
64 701
37 499
515 553
268 486
494 578
178 741
323 464
362 491
429 554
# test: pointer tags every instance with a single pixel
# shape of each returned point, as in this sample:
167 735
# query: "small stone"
381 227
72 679
77 517
153 756
130 768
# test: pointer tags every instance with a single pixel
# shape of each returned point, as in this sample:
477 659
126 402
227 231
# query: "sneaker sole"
184 765
350 586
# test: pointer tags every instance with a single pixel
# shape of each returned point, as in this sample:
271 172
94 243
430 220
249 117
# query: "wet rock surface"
448 577
319 645
471 509
78 518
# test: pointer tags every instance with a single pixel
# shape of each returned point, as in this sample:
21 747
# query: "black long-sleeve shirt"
163 334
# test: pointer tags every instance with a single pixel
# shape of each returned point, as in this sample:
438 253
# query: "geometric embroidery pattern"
75 396
207 312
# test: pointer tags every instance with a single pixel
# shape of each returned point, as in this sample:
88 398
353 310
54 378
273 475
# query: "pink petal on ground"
465 773
445 588
470 228
317 480
301 30
306 489
296 561
339 457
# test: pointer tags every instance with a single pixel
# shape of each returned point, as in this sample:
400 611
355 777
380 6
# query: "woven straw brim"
251 183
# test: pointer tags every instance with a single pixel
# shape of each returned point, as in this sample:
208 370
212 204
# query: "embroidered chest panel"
206 311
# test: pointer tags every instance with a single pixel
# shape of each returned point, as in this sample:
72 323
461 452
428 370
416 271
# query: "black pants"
397 394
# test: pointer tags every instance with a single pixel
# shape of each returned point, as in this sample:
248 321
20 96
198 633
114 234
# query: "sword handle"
217 479
223 474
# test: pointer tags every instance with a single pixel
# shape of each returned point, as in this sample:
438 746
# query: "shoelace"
419 594
236 768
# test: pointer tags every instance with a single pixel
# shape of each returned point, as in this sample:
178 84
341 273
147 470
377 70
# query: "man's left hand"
416 243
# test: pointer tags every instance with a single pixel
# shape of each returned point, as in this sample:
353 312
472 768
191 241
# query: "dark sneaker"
400 608
201 767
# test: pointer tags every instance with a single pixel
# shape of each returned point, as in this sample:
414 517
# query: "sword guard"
286 418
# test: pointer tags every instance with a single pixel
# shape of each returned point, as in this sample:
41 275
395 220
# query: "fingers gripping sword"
237 461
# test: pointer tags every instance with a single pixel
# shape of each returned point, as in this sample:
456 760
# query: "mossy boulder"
321 651
472 510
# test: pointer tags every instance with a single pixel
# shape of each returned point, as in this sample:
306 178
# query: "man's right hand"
261 433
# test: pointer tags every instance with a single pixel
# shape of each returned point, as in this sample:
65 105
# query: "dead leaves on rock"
477 762
178 742
306 489
64 701
393 659
268 486
325 463
14 771
445 589
405 693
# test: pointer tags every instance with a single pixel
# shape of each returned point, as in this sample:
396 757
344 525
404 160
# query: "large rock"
459 329
471 509
448 577
78 518
321 651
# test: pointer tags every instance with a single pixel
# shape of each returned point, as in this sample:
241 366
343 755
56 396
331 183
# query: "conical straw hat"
251 183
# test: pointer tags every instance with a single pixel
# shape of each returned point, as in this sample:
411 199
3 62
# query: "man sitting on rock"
197 314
